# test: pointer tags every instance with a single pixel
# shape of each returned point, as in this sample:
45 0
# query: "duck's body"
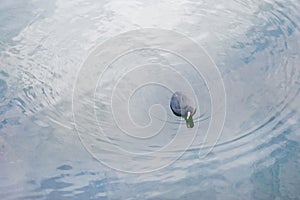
183 106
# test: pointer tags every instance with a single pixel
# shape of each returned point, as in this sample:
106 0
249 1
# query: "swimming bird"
183 106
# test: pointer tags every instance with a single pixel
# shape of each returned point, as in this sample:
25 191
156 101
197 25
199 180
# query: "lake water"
85 87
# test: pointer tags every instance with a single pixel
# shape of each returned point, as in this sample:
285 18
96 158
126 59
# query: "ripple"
255 45
3 89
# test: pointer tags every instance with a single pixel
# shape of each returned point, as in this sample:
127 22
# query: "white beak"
188 115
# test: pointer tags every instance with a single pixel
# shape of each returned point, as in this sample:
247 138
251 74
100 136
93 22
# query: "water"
43 46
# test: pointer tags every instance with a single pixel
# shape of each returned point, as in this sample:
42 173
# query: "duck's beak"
189 120
188 115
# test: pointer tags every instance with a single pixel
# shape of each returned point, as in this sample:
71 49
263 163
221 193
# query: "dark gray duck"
183 106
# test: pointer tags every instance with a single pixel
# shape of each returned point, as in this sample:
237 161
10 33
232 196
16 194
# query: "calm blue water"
43 155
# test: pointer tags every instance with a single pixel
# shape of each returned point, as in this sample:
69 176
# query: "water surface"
255 45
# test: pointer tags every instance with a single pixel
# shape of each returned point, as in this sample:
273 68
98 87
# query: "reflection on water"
255 45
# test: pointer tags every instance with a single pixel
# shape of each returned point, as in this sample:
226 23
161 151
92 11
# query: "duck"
183 106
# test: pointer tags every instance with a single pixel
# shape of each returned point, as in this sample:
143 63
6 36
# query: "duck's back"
180 103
